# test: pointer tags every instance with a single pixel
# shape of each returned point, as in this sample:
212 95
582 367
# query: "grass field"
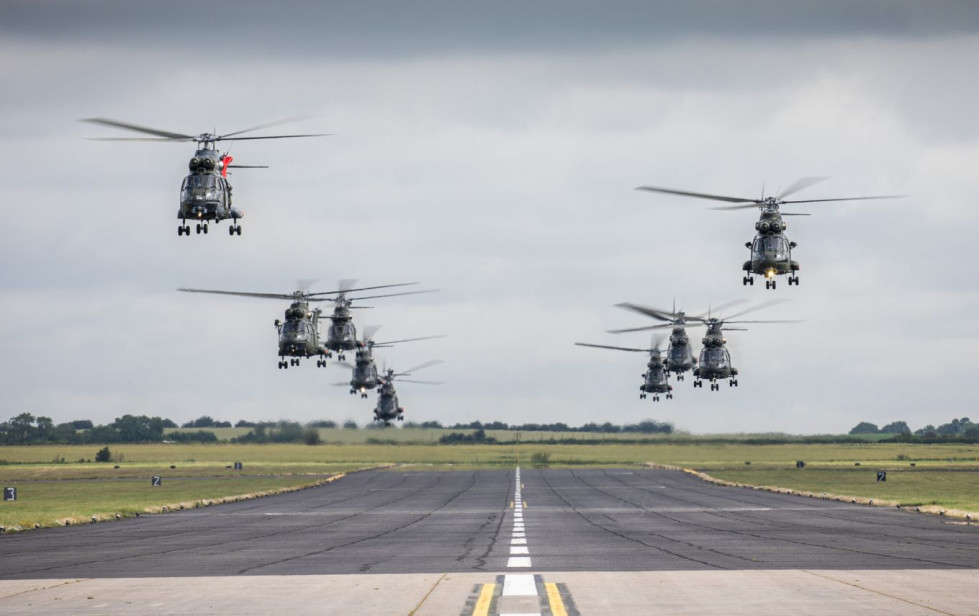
53 484
947 489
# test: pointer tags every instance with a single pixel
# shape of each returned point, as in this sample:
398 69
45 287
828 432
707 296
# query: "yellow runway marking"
485 598
554 599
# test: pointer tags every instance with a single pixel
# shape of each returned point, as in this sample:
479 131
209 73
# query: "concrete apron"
815 592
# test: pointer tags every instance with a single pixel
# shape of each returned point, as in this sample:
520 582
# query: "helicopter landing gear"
770 284
655 398
201 228
363 395
341 357
732 383
320 363
184 229
642 396
233 229
328 354
294 361
283 364
669 396
748 280
793 280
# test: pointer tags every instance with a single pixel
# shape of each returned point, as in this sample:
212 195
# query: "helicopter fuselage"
205 194
387 409
298 334
655 379
679 357
365 375
342 336
771 251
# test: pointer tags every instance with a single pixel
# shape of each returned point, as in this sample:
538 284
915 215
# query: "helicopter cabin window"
776 247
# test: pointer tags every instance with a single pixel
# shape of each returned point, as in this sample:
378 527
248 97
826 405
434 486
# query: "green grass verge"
948 489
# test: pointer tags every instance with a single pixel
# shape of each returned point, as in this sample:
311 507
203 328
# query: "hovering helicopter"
342 334
387 409
715 359
365 375
679 355
655 379
771 251
205 194
299 334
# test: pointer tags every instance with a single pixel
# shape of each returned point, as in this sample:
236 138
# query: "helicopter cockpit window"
772 247
299 329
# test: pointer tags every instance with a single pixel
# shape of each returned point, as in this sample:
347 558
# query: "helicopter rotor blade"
639 329
369 331
273 137
765 304
649 312
242 293
799 185
167 135
391 342
427 364
614 348
422 382
736 207
733 302
683 193
268 125
391 295
345 286
768 321
794 214
848 199
248 166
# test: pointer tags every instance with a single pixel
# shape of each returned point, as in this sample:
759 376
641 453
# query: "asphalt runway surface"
587 520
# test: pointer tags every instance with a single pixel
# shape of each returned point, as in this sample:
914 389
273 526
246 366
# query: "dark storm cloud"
385 28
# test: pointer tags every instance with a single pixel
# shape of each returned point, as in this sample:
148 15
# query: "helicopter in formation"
205 194
299 334
364 375
342 334
388 408
656 378
770 251
714 361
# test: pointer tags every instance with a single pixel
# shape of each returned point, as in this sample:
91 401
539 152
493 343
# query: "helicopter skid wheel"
363 395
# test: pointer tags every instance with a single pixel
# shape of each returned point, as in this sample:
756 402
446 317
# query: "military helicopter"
771 251
679 355
387 409
364 369
656 378
715 359
206 193
299 334
342 334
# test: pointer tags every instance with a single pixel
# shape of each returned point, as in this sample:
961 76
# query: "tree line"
957 430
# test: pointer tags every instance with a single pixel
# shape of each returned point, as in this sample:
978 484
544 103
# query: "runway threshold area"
586 541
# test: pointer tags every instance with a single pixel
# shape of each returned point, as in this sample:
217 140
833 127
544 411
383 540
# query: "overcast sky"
491 150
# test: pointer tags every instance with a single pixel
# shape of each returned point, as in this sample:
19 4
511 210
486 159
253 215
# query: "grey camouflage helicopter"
387 408
679 354
364 371
299 334
205 194
342 334
715 359
771 251
656 378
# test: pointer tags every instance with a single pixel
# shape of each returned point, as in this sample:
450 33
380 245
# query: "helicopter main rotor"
764 203
205 139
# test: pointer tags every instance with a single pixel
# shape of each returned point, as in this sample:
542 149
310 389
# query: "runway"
458 536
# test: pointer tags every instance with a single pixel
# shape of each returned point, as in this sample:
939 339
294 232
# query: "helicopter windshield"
717 358
206 185
296 329
771 247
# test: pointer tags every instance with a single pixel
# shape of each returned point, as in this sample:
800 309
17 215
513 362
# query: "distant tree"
322 423
864 427
103 455
311 436
896 427
82 424
431 424
496 425
203 421
350 424
222 424
198 436
245 424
